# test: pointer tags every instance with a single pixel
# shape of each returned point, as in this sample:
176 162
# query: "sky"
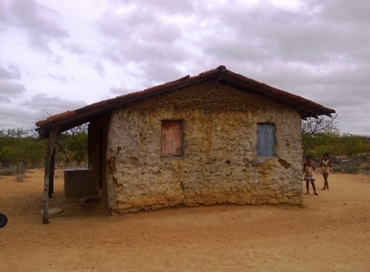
62 55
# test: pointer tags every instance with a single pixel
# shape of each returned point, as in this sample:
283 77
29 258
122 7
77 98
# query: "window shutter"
171 138
265 140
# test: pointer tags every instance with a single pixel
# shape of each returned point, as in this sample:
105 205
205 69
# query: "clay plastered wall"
219 163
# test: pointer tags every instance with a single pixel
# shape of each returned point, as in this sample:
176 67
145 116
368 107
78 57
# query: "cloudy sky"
61 55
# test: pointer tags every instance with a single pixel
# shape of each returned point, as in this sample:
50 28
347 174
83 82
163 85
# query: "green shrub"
336 144
20 151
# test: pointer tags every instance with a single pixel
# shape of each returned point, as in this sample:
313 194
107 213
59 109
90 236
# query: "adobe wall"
219 164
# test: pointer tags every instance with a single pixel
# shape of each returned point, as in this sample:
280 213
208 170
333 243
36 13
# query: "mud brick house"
218 137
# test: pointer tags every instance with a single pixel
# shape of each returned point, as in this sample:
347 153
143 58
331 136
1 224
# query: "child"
325 169
309 176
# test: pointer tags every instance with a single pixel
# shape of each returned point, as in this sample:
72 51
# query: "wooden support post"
51 176
49 154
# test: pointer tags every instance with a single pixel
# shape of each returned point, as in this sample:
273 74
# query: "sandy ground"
330 233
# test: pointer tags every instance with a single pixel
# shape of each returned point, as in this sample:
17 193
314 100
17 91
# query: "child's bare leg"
314 188
323 188
307 188
326 185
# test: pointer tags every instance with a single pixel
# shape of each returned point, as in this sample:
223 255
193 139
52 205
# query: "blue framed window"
265 139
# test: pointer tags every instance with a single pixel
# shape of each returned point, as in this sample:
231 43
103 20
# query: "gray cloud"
39 107
8 87
60 79
10 72
143 36
76 49
340 11
4 17
12 116
99 68
168 7
141 43
36 19
52 104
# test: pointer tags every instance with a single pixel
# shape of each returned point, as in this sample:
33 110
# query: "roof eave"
70 119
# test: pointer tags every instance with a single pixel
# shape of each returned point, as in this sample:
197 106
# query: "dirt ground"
330 233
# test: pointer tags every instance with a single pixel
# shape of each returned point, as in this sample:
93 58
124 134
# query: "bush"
336 144
20 151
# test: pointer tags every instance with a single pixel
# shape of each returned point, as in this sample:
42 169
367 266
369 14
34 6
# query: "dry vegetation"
330 233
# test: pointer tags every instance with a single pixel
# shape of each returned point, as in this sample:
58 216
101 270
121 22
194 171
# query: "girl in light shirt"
325 166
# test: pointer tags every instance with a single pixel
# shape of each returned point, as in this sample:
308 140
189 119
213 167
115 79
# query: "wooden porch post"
51 175
48 164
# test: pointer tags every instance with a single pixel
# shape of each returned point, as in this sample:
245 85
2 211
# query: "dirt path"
331 233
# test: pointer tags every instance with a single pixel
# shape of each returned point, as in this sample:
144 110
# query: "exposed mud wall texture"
219 161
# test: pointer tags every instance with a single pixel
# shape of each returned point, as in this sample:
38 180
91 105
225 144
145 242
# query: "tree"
72 145
312 126
321 126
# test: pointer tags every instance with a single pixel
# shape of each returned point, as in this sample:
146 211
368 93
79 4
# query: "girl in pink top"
309 175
